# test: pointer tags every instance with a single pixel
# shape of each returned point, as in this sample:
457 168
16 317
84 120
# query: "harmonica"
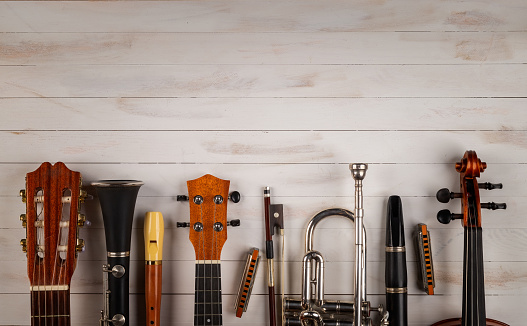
424 254
247 282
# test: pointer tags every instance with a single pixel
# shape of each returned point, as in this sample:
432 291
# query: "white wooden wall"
280 93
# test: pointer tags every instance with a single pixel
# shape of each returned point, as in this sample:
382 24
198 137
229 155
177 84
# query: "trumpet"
313 308
117 199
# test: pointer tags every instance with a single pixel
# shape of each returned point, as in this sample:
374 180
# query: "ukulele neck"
207 302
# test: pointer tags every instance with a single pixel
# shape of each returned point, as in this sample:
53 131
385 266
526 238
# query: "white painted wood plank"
262 48
297 211
251 81
175 309
263 114
256 16
501 279
500 245
326 183
262 147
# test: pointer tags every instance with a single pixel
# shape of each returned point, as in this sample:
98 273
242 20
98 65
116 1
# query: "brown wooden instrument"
473 307
154 233
208 222
53 195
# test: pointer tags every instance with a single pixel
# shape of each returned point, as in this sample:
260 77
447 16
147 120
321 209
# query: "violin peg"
444 216
490 186
444 195
494 206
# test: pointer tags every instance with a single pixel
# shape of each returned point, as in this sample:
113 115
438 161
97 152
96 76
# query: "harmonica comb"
247 282
424 254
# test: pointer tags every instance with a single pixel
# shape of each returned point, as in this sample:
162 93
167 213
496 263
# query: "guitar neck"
473 279
50 307
207 302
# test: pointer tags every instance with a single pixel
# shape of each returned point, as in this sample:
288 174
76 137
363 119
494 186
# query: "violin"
473 311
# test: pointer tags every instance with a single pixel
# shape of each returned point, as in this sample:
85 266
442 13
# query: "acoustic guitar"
53 196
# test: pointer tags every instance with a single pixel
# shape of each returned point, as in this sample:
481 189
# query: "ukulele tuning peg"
22 194
235 196
182 198
183 224
81 220
444 216
444 195
490 186
234 222
494 206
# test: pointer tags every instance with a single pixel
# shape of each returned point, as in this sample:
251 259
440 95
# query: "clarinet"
395 273
117 199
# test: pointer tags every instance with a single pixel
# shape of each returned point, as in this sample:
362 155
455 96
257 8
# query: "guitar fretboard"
50 307
207 302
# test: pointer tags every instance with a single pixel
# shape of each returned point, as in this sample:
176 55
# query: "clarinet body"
117 199
395 273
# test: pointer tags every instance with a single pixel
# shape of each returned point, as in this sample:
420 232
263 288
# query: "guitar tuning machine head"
23 243
22 193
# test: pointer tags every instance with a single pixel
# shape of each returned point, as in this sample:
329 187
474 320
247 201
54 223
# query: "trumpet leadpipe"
395 273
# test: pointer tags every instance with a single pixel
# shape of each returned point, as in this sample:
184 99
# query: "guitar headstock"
53 195
208 215
470 168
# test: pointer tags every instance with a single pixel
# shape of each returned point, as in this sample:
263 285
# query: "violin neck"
50 307
473 279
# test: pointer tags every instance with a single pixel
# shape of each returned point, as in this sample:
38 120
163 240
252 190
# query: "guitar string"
53 274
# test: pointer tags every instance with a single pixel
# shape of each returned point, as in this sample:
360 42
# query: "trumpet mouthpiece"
358 170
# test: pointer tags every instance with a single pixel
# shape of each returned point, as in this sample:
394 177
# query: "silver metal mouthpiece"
358 170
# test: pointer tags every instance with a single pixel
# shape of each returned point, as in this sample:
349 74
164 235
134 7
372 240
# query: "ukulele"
53 195
208 232
473 311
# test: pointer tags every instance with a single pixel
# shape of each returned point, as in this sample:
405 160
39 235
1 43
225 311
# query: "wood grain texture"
278 93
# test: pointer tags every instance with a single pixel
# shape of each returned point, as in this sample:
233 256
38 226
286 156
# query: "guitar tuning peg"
80 245
235 196
234 222
81 220
23 218
490 186
22 194
494 206
183 224
23 243
444 195
444 216
182 198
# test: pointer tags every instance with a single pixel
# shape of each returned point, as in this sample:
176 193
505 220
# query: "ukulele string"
213 266
201 276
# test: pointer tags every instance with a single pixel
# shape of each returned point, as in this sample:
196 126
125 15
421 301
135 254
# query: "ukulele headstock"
208 198
52 196
470 168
